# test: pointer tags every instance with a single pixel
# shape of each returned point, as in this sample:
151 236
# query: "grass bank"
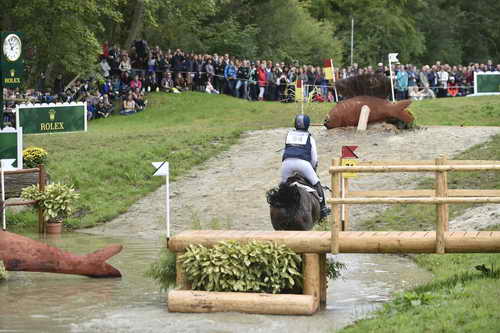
465 293
111 164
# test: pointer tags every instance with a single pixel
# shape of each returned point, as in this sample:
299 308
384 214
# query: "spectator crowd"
126 76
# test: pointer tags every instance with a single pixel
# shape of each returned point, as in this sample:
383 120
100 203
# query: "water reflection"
44 302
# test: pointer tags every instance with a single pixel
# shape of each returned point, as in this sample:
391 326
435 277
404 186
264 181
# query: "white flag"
7 164
393 57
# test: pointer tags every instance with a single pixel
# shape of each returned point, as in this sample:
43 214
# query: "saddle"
299 181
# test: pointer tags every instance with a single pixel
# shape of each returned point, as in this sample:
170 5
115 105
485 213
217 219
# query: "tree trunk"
136 25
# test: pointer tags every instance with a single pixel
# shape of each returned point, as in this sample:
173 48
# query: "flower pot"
54 228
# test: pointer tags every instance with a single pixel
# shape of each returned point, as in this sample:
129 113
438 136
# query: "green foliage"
333 269
252 267
57 200
60 35
163 270
34 156
3 272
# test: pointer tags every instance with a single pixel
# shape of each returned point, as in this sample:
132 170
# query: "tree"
61 36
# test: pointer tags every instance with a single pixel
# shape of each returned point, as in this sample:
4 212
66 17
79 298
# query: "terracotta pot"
54 228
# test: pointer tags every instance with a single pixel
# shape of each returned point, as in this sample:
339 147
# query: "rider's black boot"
324 210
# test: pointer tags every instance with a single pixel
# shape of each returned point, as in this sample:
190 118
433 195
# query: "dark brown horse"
293 206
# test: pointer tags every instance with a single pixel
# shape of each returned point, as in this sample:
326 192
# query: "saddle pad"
305 187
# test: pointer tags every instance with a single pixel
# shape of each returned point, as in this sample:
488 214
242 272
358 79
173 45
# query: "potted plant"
57 201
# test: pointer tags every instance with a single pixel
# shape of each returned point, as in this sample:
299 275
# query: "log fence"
441 196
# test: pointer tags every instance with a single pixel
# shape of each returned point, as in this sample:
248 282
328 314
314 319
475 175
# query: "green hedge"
251 267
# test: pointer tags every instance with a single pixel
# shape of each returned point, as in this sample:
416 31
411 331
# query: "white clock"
12 47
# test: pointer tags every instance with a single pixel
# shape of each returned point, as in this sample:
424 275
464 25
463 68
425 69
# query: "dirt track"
229 190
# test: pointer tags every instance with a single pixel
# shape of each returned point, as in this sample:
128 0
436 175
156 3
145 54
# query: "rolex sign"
52 118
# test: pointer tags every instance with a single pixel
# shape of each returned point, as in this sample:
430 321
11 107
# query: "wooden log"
335 217
429 201
257 303
418 242
323 280
21 203
346 219
363 118
441 208
425 162
312 280
422 193
473 242
22 171
298 241
415 168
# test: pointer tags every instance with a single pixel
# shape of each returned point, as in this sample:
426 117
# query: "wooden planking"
299 241
425 162
352 241
415 168
419 242
260 303
421 193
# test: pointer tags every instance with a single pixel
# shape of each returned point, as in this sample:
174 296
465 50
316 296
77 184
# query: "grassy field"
111 164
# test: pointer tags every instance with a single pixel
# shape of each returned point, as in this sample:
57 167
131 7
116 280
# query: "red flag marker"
348 151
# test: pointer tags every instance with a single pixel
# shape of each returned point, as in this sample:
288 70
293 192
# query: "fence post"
335 217
442 208
41 188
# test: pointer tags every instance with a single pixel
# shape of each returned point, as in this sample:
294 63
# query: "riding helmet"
302 122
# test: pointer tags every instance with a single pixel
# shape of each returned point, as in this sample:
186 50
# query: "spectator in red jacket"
261 78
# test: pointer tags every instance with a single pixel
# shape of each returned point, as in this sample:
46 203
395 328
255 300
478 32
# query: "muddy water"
41 302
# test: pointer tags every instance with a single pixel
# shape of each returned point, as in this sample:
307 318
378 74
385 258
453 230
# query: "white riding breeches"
292 165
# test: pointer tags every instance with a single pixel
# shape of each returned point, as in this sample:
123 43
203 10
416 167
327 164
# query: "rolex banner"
52 118
11 147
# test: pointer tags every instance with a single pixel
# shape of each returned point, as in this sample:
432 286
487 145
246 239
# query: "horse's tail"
284 196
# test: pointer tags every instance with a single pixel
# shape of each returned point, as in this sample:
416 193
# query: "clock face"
12 47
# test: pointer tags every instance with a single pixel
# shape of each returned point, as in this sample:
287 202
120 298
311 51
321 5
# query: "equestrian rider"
301 156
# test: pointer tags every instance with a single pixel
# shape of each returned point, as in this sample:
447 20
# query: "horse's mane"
283 196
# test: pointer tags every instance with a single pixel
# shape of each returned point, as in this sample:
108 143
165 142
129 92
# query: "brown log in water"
21 253
346 113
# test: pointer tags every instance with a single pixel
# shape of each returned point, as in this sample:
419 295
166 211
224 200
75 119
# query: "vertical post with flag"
162 169
348 159
393 58
330 74
299 94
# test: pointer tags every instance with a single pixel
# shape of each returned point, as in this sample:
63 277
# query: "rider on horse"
301 156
